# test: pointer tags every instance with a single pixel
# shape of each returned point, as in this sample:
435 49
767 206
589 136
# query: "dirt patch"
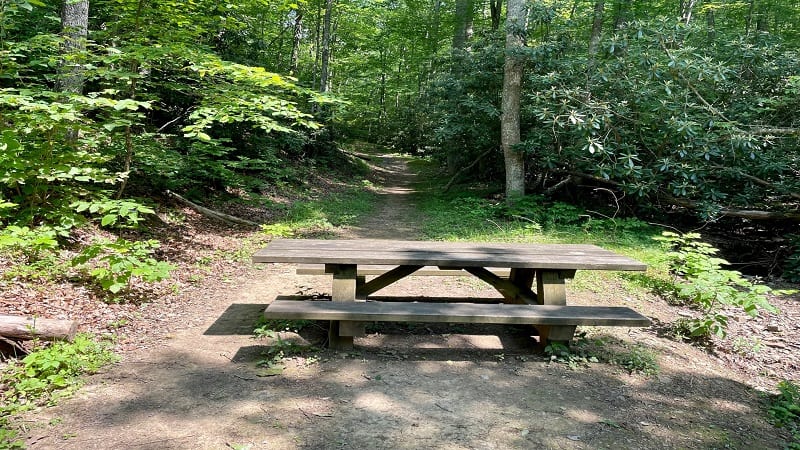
189 376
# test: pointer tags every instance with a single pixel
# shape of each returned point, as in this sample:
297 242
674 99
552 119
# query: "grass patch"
321 216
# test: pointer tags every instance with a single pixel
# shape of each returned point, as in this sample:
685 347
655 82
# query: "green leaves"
707 286
113 265
119 213
47 370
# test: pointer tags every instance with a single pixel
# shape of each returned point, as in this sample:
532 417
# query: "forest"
688 105
681 113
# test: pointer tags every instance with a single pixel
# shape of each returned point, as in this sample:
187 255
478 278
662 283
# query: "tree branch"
464 169
741 213
757 180
210 212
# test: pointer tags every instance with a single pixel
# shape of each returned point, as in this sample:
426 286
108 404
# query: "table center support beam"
345 280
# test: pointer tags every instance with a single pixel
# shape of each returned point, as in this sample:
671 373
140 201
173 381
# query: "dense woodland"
650 107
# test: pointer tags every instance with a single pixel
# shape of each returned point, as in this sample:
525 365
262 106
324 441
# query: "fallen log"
26 328
212 213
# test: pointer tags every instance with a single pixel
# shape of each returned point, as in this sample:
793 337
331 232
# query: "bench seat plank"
371 311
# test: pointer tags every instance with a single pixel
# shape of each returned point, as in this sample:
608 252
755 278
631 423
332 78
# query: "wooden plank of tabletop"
465 254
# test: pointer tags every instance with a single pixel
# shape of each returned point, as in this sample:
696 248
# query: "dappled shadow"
413 399
238 319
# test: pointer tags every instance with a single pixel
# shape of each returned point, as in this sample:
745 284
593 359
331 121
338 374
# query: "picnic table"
511 268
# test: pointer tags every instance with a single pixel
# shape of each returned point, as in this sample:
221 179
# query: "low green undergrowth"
320 216
582 351
45 375
113 265
272 359
701 281
784 410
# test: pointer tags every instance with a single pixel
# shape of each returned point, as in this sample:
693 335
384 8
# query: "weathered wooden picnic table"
353 302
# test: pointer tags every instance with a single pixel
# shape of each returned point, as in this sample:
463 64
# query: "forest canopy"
688 104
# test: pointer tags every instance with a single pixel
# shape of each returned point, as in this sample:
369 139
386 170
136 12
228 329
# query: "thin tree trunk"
594 39
496 7
711 26
324 83
298 35
621 9
687 8
749 18
463 28
516 24
74 25
317 45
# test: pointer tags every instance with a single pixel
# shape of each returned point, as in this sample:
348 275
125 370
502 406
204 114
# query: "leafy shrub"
784 410
42 373
31 243
706 285
537 209
639 359
114 213
116 263
791 267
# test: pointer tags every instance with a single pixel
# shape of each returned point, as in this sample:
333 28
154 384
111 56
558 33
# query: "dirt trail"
404 387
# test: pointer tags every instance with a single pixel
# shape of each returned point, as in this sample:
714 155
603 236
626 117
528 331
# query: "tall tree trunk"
317 45
749 18
74 25
516 24
594 39
463 29
687 8
711 26
621 9
324 83
496 7
298 35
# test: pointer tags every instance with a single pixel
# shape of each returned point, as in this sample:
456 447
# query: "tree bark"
464 22
495 7
324 82
516 24
594 38
74 26
687 8
298 35
27 328
212 213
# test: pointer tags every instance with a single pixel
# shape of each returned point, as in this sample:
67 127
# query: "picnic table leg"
524 279
551 290
340 333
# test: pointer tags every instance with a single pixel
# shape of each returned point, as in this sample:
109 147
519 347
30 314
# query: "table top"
446 254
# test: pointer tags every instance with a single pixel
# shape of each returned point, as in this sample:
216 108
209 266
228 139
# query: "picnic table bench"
512 269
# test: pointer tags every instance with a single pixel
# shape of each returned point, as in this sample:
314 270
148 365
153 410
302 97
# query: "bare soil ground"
189 378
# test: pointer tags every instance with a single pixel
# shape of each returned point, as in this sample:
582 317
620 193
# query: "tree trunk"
516 24
324 83
74 26
298 35
594 39
711 26
621 9
463 29
687 7
26 328
495 7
